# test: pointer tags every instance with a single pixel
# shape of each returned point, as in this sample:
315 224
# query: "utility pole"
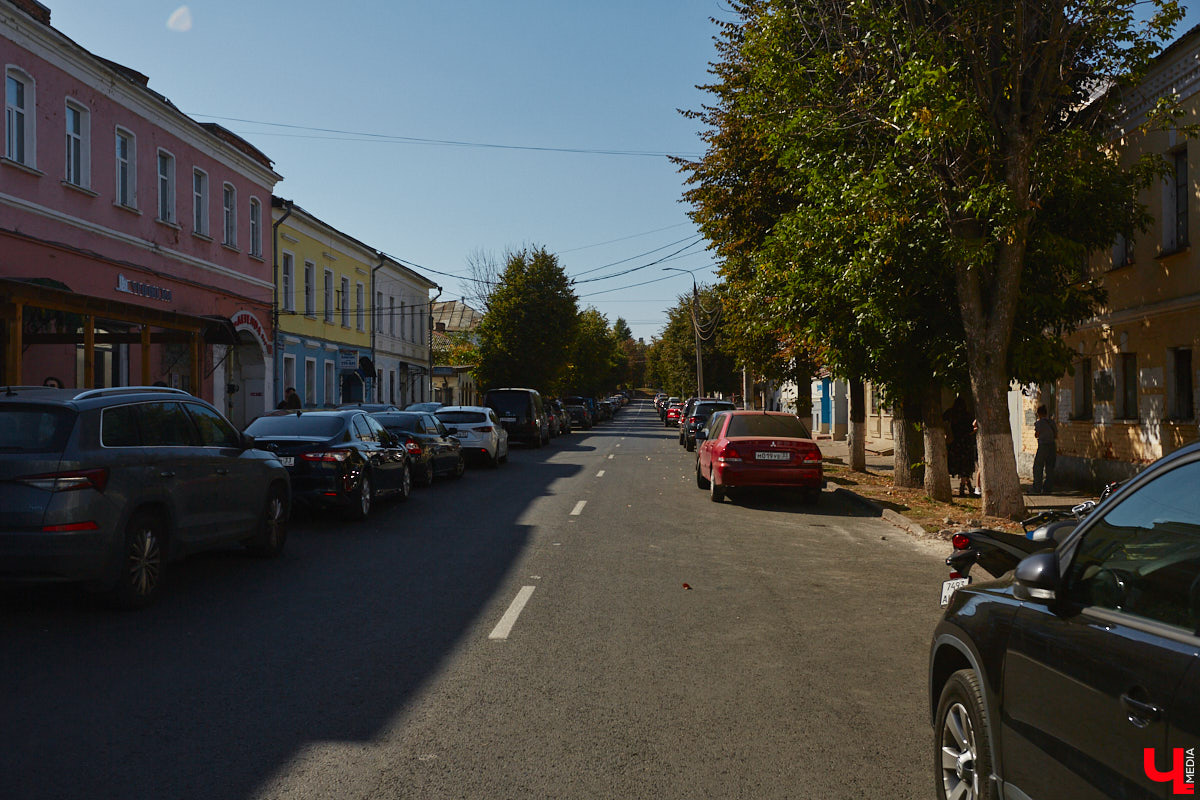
695 328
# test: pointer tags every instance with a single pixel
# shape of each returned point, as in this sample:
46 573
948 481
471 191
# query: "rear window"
516 403
34 429
461 416
413 423
704 409
304 425
766 425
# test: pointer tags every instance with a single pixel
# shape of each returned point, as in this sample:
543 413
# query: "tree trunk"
908 469
998 463
858 426
937 469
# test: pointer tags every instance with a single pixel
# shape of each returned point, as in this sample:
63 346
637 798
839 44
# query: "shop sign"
443 372
143 289
348 359
244 320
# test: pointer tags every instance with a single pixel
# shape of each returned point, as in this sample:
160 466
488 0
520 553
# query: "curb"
896 519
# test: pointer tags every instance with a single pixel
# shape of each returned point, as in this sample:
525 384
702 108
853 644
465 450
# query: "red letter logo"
1177 776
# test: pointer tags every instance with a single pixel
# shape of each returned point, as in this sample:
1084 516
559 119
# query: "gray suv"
106 486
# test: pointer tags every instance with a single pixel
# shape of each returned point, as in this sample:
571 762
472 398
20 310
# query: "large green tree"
969 131
596 360
529 324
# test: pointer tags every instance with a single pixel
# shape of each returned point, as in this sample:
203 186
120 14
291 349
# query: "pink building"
134 241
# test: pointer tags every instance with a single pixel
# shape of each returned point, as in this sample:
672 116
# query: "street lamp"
695 327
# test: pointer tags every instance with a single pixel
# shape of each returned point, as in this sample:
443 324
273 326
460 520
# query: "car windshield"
314 425
767 425
509 402
704 409
414 423
461 416
34 429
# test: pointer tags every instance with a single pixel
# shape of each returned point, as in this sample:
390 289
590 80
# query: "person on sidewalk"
960 444
1046 433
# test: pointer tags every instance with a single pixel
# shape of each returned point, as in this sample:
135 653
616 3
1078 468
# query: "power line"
624 238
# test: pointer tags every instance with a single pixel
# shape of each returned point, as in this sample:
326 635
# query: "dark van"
521 413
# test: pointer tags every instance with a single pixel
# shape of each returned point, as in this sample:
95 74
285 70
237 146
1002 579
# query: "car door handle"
167 474
1140 714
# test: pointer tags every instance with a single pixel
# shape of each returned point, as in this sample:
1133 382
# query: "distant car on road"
106 486
420 407
479 431
743 449
695 418
522 413
339 459
432 450
370 407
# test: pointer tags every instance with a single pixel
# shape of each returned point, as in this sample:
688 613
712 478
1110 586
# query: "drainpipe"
287 212
430 338
375 323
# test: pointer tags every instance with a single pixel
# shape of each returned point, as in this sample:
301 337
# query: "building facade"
402 334
132 240
1130 397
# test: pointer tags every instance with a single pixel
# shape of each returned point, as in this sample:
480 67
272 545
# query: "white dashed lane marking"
505 625
578 509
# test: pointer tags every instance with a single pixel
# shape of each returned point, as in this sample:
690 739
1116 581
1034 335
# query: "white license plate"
508 419
771 455
950 586
287 461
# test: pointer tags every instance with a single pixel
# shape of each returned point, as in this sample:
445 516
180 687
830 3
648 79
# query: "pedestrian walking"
960 444
1046 433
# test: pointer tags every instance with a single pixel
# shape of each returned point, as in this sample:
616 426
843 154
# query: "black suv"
1078 674
105 486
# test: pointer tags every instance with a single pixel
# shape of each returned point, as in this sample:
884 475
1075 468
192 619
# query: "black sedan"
336 459
430 446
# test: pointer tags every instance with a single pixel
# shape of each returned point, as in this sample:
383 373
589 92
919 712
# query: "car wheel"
272 527
405 488
962 743
701 481
715 493
460 466
360 508
142 564
689 445
493 460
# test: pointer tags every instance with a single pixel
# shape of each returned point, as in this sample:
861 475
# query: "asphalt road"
580 623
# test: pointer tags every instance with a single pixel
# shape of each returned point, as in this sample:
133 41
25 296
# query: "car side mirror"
247 441
701 435
1036 578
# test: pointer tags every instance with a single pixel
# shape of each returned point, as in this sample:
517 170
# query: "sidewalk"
879 459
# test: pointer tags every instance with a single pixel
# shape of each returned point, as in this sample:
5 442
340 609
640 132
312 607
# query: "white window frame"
1172 240
328 289
310 376
229 215
166 186
77 164
289 371
199 201
287 278
330 384
360 298
345 288
125 169
20 122
310 289
256 227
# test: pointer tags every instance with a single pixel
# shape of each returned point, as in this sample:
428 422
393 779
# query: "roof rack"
128 390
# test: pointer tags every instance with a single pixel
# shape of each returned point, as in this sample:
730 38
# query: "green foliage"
456 349
597 361
671 358
527 333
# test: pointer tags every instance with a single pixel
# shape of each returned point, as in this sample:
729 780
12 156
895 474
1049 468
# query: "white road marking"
600 474
610 455
505 625
578 509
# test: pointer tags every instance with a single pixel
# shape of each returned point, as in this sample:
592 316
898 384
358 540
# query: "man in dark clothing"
291 399
1046 432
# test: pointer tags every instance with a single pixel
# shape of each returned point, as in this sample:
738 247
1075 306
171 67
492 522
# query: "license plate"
771 455
508 419
287 461
950 586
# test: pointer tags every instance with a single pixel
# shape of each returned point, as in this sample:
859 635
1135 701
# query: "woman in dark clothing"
961 454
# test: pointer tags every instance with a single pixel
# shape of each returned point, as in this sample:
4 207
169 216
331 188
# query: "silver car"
479 431
106 486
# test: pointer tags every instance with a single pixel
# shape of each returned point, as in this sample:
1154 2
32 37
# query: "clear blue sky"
556 74
526 73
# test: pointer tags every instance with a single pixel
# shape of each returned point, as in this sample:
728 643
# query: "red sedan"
757 448
674 414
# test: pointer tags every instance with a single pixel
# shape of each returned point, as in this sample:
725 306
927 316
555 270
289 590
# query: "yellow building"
323 288
1132 397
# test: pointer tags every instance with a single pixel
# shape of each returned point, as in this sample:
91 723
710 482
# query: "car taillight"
730 453
326 455
72 526
412 446
68 481
811 456
960 541
484 429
